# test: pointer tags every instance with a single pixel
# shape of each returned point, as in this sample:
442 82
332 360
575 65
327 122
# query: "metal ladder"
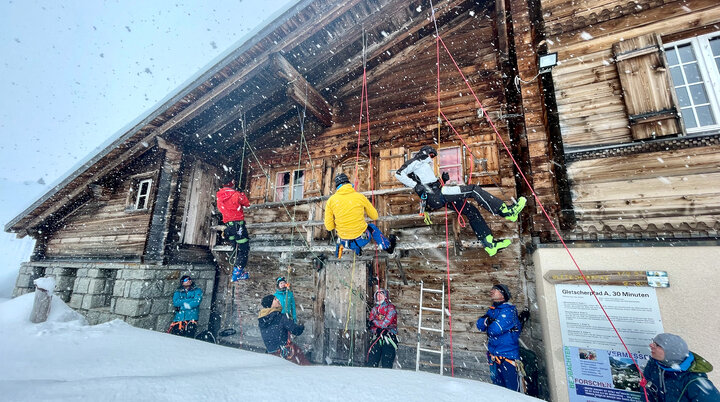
423 290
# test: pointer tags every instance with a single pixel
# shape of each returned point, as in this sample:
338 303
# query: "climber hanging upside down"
417 173
345 211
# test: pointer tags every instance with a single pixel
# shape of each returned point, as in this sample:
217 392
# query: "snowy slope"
65 359
14 198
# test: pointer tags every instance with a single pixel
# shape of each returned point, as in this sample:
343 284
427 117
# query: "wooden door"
346 295
200 202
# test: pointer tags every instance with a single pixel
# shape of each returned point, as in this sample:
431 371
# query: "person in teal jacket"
286 297
186 300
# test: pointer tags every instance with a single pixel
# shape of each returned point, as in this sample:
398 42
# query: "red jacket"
230 203
383 317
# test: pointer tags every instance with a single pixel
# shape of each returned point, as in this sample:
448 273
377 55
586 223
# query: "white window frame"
140 194
292 194
709 73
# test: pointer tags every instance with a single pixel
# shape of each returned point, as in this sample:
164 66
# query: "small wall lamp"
547 61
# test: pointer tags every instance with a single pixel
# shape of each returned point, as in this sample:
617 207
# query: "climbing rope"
537 200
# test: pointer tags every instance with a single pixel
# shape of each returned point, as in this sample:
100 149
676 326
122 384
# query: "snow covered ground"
66 359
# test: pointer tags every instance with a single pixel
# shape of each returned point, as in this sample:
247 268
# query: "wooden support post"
301 91
43 296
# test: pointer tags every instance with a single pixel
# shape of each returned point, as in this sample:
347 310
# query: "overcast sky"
74 72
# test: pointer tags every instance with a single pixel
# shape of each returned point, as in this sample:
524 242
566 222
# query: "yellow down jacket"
345 211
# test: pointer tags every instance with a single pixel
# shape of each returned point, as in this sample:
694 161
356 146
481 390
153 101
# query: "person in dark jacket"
230 203
675 374
503 328
418 173
276 327
382 322
186 300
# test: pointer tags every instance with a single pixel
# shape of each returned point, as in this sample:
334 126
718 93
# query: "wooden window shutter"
485 161
647 88
258 185
348 167
390 161
314 178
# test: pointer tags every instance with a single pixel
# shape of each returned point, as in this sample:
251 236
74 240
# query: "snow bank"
66 359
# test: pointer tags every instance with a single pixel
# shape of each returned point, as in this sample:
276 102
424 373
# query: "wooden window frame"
290 186
131 202
709 74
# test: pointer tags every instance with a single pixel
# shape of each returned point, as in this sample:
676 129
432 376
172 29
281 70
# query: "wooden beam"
300 90
377 53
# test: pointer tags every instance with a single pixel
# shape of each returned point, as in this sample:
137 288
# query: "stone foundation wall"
139 294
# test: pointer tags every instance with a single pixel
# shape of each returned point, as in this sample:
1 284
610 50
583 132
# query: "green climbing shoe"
512 213
492 247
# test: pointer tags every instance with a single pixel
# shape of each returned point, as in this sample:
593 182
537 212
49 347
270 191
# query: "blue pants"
357 244
503 373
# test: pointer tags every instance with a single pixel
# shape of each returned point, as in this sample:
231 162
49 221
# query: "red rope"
447 259
357 154
542 207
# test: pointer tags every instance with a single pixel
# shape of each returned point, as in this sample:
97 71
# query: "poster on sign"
597 365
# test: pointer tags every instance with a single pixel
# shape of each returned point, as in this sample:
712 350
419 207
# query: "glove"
489 320
445 177
524 316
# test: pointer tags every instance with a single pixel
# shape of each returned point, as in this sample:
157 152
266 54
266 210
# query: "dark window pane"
298 175
698 94
715 46
677 76
705 116
686 53
144 187
672 56
692 73
688 118
683 97
285 178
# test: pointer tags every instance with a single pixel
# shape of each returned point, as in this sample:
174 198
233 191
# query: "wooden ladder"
441 330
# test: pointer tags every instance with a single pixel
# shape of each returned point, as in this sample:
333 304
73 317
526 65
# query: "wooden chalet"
603 140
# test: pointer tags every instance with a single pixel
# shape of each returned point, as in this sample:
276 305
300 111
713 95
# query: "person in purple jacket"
502 325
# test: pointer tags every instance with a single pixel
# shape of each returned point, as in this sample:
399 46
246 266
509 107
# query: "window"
695 71
143 194
298 186
449 160
289 186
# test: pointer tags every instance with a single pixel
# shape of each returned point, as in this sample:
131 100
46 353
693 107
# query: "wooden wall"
105 226
403 114
628 190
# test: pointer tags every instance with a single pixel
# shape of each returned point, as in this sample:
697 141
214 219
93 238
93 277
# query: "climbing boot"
511 213
492 247
393 243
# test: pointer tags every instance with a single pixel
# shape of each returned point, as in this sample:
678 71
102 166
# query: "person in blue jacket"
186 300
503 328
286 297
674 373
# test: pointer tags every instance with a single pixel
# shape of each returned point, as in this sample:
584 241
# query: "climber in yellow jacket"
345 212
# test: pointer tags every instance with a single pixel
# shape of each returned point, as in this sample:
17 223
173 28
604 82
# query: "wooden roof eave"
71 183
